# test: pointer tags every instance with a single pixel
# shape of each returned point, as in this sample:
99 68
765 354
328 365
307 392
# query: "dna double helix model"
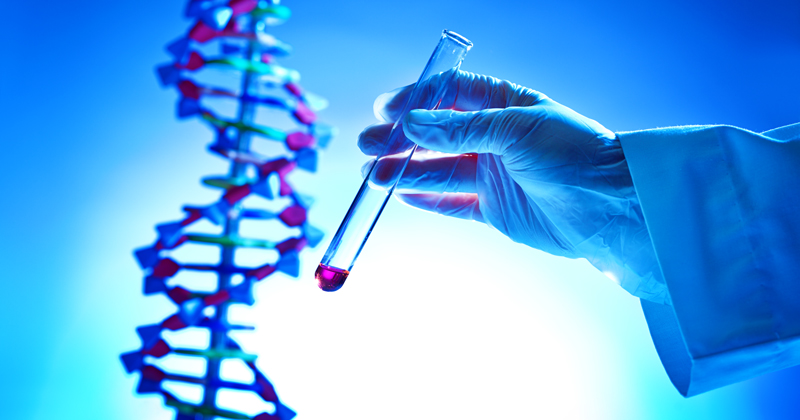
236 31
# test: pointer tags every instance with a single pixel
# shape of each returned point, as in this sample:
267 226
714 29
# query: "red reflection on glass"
330 279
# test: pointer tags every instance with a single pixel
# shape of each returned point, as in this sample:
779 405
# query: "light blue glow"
442 318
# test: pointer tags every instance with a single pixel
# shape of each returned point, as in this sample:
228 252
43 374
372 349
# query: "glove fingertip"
388 105
379 104
366 167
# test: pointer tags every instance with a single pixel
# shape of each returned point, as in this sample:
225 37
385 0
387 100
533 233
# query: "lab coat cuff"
721 212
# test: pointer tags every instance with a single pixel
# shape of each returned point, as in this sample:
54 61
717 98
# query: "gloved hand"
529 167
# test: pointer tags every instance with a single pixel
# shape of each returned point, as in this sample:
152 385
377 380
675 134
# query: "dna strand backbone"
236 30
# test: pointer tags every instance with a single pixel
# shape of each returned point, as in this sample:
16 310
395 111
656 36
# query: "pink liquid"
330 279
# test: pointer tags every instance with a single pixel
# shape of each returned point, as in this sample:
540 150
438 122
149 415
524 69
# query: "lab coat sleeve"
722 206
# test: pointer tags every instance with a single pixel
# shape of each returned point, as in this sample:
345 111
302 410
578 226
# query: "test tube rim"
457 38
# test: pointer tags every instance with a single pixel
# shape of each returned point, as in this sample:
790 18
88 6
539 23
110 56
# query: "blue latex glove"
533 169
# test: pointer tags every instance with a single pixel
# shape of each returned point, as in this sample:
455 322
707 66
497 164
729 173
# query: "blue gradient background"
443 318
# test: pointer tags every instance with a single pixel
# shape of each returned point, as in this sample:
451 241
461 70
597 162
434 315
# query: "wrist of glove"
533 169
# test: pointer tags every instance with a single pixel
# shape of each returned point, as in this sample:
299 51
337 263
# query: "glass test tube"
370 200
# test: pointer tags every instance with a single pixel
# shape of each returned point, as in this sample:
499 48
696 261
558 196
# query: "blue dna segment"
230 38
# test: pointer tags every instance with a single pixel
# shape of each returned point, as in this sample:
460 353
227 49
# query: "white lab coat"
722 206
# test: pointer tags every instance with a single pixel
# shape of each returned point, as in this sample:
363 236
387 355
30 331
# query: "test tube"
370 200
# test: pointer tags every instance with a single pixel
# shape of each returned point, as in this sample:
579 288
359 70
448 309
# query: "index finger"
467 92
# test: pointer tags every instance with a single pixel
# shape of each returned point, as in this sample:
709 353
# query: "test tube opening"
457 38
